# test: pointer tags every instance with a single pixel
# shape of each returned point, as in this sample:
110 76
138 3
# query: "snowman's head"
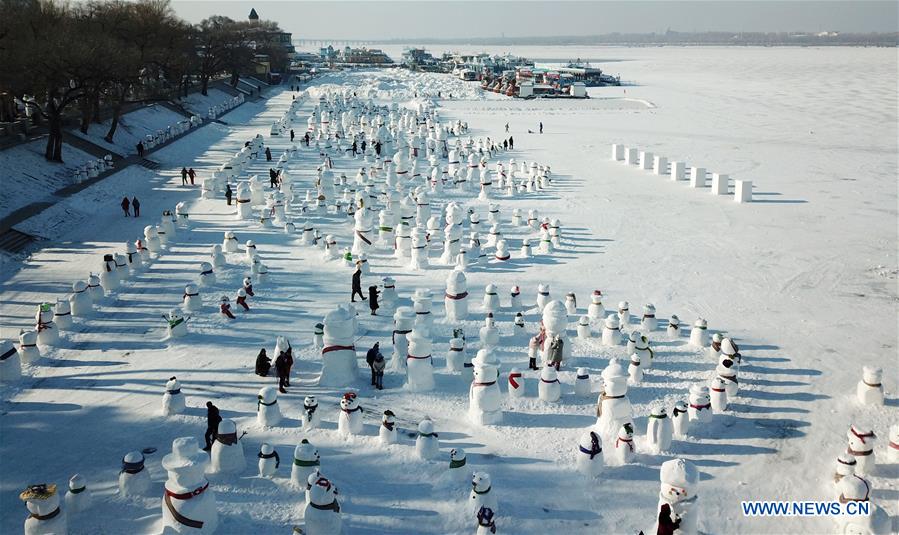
349 401
480 481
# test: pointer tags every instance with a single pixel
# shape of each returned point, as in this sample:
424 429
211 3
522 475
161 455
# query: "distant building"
365 56
263 36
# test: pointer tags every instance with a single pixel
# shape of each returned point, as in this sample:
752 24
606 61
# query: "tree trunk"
116 114
86 105
53 152
96 108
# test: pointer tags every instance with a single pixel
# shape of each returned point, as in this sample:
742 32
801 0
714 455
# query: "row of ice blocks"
678 171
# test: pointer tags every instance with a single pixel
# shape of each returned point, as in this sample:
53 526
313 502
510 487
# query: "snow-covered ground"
804 278
133 127
27 177
200 104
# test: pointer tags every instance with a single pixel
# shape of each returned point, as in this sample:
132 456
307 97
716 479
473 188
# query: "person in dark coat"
511 143
192 174
378 148
263 364
667 525
268 154
228 193
213 418
135 205
282 367
289 354
541 127
272 178
291 135
140 149
377 369
505 144
306 139
370 358
363 145
184 176
373 299
125 206
357 284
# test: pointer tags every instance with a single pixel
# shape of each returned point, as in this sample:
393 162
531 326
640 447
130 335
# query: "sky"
371 20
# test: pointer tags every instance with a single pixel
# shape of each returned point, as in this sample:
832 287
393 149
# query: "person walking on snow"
291 135
282 367
507 128
140 149
135 204
541 127
263 363
511 143
125 204
213 418
192 174
228 193
357 283
183 176
268 154
373 299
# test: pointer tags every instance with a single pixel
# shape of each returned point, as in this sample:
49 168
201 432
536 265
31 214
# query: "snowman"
191 300
268 414
134 480
481 495
387 433
491 299
227 455
543 297
403 322
582 384
516 384
489 334
419 367
427 445
310 416
80 302
484 398
699 336
624 444
870 390
173 400
649 321
515 298
589 457
673 330
349 421
680 419
207 275
229 242
269 460
611 333
659 430
613 406
306 461
549 389
45 516
456 297
78 498
583 328
176 324
455 356
893 446
678 499
861 446
322 512
700 408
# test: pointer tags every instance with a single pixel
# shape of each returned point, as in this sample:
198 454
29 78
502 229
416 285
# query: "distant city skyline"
436 19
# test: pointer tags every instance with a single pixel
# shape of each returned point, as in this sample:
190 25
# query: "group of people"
130 204
283 365
188 174
373 291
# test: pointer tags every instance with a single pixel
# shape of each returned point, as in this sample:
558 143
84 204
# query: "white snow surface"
133 127
200 104
804 278
28 177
